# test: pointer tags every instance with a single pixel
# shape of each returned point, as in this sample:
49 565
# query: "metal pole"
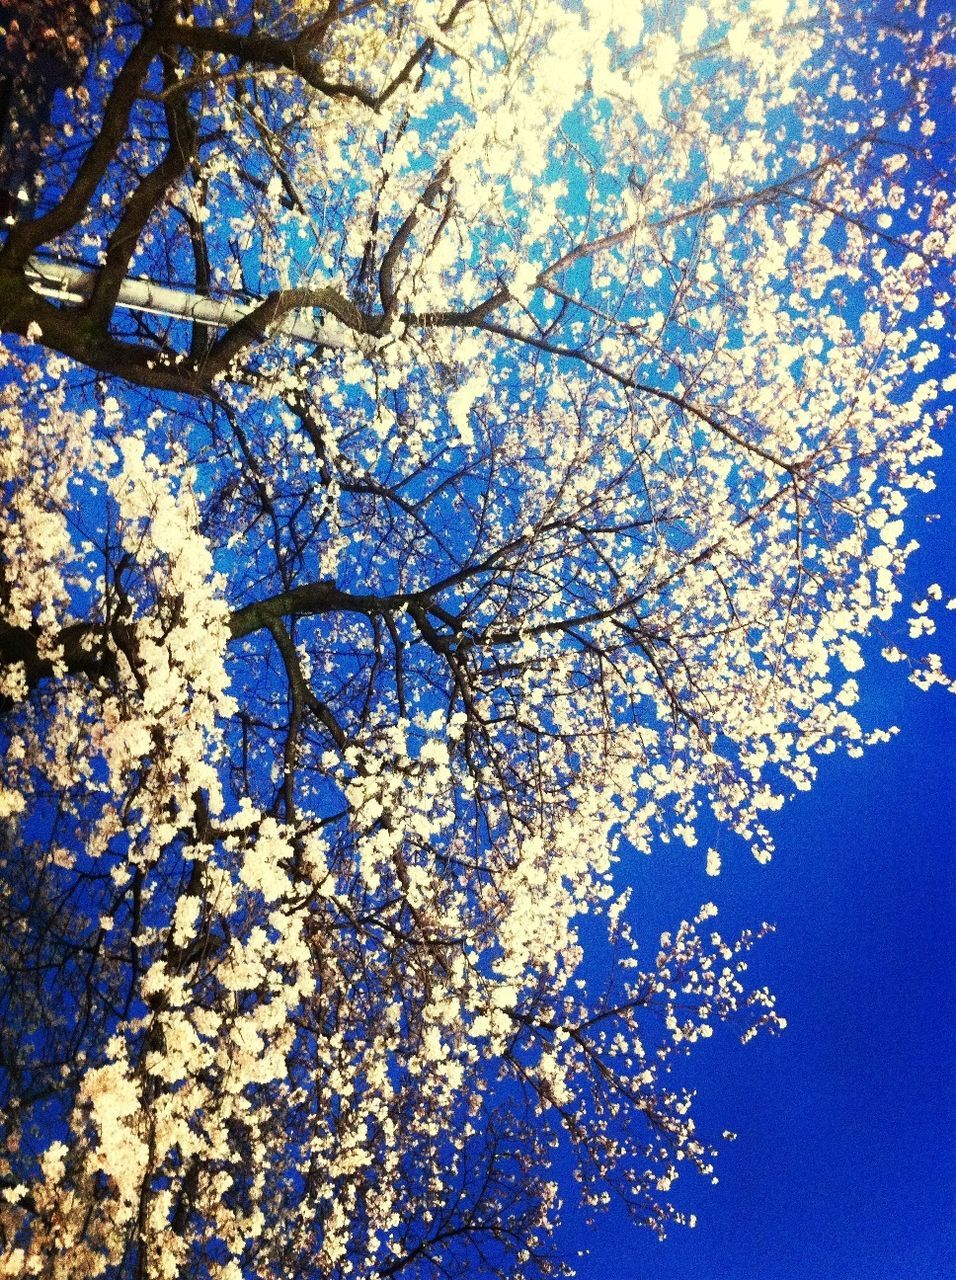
74 282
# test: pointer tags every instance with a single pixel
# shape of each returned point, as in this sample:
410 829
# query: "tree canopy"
448 449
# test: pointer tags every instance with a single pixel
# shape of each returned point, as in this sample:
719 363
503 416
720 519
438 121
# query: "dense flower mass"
446 450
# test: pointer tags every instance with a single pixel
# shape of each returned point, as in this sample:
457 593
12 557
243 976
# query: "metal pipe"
74 282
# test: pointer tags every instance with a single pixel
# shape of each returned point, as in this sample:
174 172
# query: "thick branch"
139 207
80 646
265 50
262 319
386 273
22 240
310 598
74 334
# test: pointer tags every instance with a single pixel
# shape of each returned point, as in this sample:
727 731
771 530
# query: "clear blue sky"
845 1164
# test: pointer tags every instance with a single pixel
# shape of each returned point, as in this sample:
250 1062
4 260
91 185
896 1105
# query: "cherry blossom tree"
447 450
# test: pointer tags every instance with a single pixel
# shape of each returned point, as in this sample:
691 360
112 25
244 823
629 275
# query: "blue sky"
845 1163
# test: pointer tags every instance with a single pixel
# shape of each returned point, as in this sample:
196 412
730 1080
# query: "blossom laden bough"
341 677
